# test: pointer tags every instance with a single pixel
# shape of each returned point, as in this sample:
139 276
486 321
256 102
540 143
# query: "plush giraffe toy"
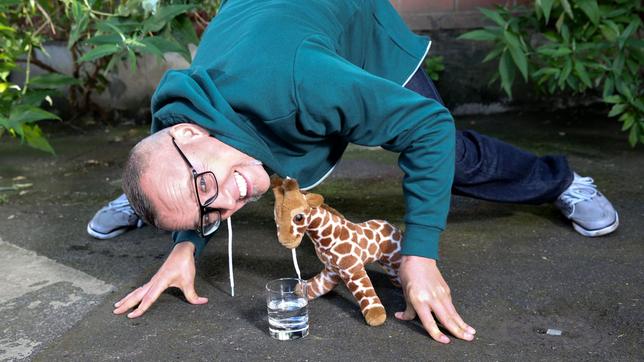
342 246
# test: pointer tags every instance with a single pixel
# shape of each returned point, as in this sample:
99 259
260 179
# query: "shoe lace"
582 189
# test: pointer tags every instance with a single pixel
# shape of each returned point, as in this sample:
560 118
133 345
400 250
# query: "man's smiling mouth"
242 185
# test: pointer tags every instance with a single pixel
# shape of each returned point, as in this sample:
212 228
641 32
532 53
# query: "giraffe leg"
391 269
322 283
358 282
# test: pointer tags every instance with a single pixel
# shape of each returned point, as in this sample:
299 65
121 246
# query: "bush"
573 46
99 34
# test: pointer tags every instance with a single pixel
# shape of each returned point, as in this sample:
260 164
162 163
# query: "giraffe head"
292 210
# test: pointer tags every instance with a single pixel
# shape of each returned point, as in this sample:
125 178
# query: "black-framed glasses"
206 188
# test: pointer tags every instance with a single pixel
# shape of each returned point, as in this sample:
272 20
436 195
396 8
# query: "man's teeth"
241 184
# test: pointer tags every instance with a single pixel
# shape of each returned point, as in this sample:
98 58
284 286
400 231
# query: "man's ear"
314 200
187 132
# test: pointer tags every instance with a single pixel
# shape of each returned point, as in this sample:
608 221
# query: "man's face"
169 184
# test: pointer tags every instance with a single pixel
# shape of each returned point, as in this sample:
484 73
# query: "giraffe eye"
298 218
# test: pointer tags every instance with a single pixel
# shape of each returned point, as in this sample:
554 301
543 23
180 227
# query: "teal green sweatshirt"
292 83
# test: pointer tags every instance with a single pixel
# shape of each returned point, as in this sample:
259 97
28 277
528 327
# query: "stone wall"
463 84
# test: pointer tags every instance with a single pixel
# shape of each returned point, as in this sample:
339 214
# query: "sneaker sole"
110 235
594 233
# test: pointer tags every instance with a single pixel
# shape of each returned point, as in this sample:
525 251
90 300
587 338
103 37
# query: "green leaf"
183 30
7 29
53 81
132 59
617 110
580 71
630 29
565 34
506 70
546 7
628 121
167 46
32 134
551 36
119 25
613 99
556 52
633 136
618 64
99 52
27 114
163 16
565 73
145 46
494 16
481 35
609 87
79 25
36 97
546 71
623 88
104 39
591 9
493 54
520 60
567 8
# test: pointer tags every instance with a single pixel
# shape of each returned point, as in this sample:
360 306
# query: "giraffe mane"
332 210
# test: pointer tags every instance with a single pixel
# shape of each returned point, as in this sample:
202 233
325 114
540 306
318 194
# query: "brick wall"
446 14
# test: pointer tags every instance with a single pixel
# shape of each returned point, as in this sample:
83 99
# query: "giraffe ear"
314 200
291 184
278 190
276 181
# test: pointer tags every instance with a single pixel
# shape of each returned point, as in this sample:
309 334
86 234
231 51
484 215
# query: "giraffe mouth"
291 245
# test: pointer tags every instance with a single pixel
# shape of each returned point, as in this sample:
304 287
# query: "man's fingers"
408 314
449 323
457 318
150 297
139 290
191 295
131 300
425 315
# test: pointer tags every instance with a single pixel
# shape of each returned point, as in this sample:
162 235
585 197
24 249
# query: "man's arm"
337 98
178 271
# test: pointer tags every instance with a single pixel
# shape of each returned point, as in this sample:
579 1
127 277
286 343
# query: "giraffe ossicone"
345 248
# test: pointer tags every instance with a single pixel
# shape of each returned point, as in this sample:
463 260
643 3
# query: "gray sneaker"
114 219
589 210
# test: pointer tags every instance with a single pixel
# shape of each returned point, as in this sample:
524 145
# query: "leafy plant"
434 67
99 35
20 103
573 46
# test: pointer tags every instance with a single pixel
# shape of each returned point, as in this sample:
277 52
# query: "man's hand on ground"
425 292
177 271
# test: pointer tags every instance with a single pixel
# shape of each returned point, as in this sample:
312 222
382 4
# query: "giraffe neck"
322 220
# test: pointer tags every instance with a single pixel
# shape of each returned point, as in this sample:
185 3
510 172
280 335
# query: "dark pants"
489 169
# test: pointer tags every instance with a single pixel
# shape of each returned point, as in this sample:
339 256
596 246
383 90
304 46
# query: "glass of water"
288 313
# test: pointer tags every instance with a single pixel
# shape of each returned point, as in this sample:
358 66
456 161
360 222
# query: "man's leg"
489 169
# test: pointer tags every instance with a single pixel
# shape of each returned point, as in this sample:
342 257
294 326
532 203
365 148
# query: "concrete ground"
515 270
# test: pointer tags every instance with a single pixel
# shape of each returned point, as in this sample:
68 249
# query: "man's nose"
224 201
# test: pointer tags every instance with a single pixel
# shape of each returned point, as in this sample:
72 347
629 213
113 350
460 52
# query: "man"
283 86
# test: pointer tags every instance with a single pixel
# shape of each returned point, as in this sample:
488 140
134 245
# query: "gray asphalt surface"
515 270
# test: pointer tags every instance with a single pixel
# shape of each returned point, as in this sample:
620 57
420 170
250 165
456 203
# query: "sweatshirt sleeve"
191 236
338 98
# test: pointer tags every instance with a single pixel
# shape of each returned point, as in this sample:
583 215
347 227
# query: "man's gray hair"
136 164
